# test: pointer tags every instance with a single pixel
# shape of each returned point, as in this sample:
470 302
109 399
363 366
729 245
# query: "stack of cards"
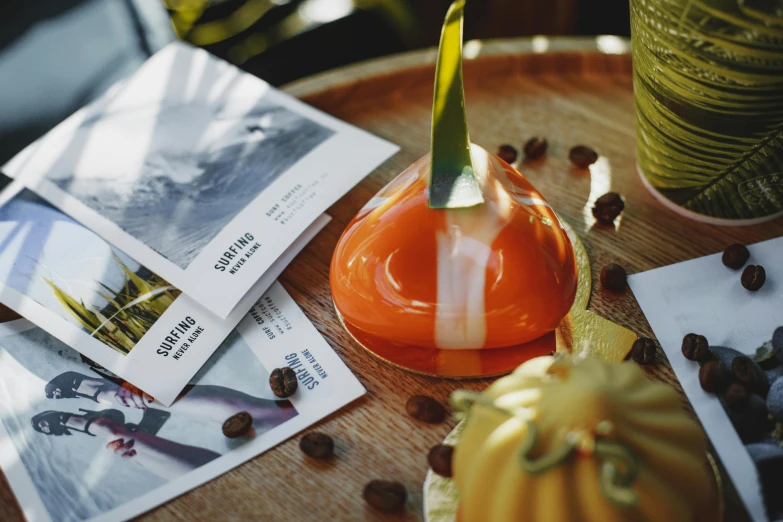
140 232
143 228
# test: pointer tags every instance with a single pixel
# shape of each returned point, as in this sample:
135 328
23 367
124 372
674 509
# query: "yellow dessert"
579 441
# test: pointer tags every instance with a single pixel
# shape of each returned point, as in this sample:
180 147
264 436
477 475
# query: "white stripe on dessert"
464 248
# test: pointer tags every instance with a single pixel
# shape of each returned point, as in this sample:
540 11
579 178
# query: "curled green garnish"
463 401
619 469
546 461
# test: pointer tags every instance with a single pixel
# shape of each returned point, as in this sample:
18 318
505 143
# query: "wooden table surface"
571 91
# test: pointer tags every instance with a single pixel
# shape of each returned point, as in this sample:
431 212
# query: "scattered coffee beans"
608 207
712 377
317 445
507 153
753 277
735 256
535 147
643 350
613 277
385 495
238 425
439 459
696 348
283 382
425 409
582 156
735 396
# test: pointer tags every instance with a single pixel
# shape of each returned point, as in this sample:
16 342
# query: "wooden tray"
569 90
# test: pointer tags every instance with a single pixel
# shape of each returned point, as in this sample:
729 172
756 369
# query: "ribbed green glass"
708 89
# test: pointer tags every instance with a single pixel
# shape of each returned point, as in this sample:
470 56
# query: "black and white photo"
201 172
205 161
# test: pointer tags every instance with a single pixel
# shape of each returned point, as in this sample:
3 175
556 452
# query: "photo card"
78 445
106 305
201 172
704 297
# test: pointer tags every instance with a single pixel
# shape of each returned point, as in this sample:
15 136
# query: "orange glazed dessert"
460 251
494 275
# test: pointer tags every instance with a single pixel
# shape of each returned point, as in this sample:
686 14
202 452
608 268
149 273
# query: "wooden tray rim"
474 50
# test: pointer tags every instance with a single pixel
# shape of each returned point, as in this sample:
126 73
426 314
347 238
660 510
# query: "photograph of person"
52 259
92 443
188 160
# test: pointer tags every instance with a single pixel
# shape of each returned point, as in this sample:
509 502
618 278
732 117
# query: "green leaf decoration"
752 186
453 183
709 109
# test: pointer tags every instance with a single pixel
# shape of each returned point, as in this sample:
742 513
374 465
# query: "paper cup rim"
722 222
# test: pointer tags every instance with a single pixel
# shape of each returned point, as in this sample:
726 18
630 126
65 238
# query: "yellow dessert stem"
453 183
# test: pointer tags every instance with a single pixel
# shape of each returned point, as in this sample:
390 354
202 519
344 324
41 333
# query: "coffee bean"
643 350
712 377
582 156
425 409
735 256
317 445
385 495
753 277
535 147
238 425
439 459
613 277
608 207
507 153
283 382
750 374
735 396
696 348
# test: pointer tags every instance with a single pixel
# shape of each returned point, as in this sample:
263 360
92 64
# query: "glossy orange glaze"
496 275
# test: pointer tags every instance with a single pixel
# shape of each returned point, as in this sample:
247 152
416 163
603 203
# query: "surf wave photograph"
53 260
173 173
91 443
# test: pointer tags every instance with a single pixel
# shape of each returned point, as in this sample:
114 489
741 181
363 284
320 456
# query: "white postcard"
76 445
106 305
703 296
202 173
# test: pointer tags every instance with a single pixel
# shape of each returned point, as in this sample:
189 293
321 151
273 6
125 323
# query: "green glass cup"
708 91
